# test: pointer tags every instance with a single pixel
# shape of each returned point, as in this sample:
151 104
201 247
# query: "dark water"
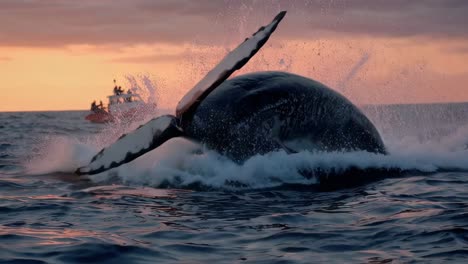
172 206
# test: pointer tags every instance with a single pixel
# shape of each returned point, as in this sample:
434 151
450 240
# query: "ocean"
182 205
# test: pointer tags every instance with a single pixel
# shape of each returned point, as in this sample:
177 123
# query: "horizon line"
359 105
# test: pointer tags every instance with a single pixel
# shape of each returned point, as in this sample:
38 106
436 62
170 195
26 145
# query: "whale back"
266 111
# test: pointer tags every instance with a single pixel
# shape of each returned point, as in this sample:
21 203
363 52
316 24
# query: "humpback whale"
251 114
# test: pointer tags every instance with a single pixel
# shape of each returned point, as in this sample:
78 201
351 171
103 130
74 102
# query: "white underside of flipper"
233 61
132 145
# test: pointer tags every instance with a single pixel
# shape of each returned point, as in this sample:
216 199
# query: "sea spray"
59 154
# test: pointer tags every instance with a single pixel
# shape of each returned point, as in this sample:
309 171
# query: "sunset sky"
62 54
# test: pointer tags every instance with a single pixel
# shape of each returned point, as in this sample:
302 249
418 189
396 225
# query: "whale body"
267 111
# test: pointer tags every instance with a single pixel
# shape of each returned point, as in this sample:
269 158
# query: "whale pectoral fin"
130 146
233 61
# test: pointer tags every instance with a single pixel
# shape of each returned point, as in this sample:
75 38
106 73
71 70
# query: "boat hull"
100 118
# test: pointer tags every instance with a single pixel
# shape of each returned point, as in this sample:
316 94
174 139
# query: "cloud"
153 58
458 49
163 54
397 18
69 22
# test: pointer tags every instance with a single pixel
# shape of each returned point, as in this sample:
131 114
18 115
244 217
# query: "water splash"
148 90
342 85
143 85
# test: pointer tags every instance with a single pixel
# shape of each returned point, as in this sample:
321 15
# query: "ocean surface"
181 205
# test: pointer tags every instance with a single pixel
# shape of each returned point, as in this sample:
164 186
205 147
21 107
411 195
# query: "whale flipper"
130 146
233 61
159 130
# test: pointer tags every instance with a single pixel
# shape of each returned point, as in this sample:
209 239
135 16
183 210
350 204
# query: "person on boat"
115 88
129 99
120 91
99 109
93 106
